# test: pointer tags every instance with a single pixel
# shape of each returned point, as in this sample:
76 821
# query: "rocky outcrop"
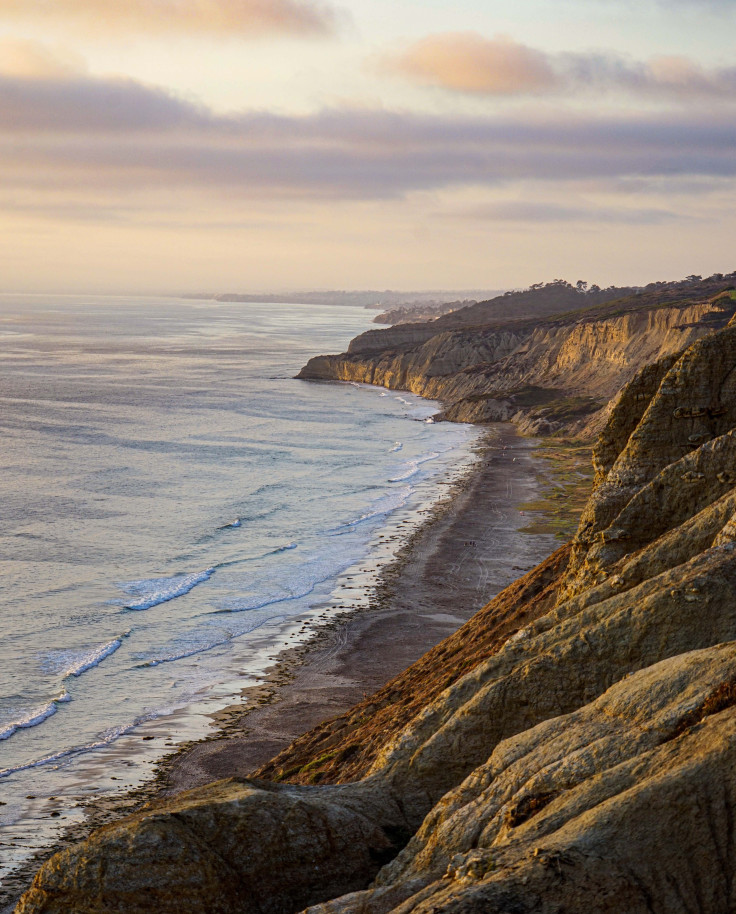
623 805
677 461
573 748
545 374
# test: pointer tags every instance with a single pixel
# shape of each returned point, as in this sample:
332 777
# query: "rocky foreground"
571 748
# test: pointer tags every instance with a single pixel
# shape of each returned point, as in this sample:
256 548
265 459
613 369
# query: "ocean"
176 509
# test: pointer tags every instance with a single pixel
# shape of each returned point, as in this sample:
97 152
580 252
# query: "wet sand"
470 547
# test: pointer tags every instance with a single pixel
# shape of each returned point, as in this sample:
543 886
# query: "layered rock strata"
572 749
539 373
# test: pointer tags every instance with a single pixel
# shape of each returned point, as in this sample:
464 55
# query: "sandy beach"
468 549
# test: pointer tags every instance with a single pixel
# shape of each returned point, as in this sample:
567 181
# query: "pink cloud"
32 60
468 62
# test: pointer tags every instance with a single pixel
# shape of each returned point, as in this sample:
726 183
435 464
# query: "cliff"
572 748
543 373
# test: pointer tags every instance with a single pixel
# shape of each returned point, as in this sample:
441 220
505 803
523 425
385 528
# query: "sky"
251 145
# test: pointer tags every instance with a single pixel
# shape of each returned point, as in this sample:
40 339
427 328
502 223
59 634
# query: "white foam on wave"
93 657
155 591
287 548
283 595
233 563
202 647
413 467
295 582
67 664
33 718
397 447
105 740
383 506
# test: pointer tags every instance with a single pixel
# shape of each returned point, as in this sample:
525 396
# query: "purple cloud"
111 135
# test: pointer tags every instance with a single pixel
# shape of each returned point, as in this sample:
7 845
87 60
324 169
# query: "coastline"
469 548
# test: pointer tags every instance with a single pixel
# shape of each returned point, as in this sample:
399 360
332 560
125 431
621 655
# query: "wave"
412 468
296 581
155 591
68 667
226 638
280 549
106 739
233 563
238 521
33 718
282 596
93 657
397 447
380 508
66 662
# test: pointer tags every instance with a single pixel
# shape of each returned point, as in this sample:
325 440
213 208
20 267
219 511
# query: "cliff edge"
572 748
547 372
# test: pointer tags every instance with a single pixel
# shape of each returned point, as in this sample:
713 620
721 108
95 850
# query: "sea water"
171 499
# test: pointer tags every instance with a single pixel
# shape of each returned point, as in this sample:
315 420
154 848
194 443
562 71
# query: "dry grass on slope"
343 749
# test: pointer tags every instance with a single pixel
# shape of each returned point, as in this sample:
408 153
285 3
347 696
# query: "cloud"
673 77
105 139
469 63
213 17
697 6
525 211
77 104
31 59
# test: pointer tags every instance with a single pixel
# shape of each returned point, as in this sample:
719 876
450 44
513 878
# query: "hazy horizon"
246 145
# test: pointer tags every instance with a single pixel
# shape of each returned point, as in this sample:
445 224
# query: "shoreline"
469 547
447 570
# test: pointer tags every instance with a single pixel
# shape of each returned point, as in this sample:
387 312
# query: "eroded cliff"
542 373
572 748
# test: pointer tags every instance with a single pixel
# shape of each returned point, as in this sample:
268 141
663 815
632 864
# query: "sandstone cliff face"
536 373
572 749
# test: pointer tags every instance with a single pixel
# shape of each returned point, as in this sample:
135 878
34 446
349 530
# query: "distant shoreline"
361 298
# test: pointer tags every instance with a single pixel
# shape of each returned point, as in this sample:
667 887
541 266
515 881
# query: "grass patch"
315 763
565 476
568 409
